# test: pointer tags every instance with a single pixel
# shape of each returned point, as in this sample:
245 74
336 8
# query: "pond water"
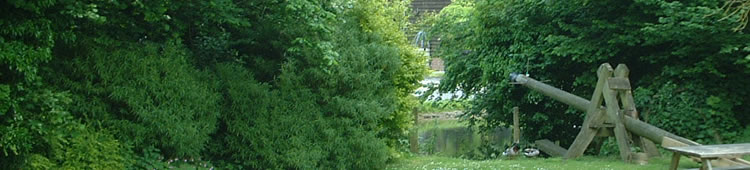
455 141
433 82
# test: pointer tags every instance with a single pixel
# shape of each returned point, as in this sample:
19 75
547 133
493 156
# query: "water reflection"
455 141
433 82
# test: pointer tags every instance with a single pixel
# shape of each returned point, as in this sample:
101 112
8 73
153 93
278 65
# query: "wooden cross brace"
613 91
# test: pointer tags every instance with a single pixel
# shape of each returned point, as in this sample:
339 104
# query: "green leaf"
5 101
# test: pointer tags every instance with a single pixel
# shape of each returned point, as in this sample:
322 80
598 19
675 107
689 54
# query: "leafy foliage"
326 115
249 84
36 129
148 93
89 149
42 134
676 51
443 106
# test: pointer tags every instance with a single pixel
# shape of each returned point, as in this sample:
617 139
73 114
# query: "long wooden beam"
552 149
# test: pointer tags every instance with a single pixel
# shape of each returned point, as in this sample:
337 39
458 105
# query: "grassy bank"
441 160
586 162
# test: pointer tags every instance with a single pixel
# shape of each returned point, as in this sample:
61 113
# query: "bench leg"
706 164
675 161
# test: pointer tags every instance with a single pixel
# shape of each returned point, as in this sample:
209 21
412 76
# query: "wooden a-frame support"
615 92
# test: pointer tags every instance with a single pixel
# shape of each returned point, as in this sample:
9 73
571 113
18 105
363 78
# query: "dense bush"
265 128
41 134
148 93
37 131
251 84
307 118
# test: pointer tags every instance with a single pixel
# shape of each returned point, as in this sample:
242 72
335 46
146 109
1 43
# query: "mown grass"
584 163
436 74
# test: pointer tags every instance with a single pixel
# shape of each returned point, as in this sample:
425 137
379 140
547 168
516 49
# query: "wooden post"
414 134
516 127
706 164
614 115
626 96
675 161
593 117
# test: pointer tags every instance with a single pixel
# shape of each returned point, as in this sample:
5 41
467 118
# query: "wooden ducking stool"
619 117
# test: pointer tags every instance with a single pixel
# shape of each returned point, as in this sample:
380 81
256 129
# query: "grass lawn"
586 162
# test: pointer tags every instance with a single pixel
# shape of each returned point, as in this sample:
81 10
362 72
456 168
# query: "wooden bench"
709 152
